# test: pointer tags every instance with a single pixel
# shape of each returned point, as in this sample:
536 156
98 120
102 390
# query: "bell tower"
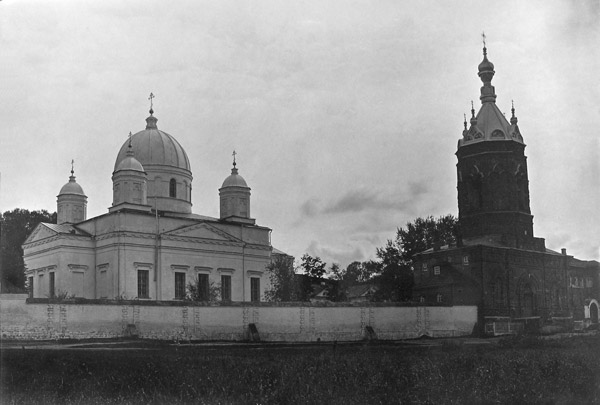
493 184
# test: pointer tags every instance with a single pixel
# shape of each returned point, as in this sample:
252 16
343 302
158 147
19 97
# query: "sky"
345 115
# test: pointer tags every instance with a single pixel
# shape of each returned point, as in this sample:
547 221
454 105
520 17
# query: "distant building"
150 245
498 263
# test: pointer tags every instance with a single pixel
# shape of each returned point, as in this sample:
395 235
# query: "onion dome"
486 68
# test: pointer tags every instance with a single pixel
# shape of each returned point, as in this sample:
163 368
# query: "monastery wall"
175 321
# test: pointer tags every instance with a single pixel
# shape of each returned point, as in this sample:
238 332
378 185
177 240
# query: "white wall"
19 320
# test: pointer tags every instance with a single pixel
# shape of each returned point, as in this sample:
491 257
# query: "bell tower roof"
489 124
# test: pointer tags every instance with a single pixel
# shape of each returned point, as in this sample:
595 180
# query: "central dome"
167 167
155 147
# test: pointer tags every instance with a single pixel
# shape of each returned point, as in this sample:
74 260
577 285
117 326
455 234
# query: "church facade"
149 245
497 263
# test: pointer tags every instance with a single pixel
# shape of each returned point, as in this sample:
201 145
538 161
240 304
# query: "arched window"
173 188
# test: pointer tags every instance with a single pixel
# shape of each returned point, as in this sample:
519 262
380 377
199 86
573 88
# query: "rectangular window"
30 286
143 284
103 284
439 298
255 289
465 260
203 287
77 284
51 291
436 270
424 266
179 286
225 288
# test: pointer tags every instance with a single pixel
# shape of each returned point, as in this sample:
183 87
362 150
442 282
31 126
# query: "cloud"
342 256
367 200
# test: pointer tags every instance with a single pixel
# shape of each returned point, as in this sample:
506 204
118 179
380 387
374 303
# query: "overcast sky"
345 114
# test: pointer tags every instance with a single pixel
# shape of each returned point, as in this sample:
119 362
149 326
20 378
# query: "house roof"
359 290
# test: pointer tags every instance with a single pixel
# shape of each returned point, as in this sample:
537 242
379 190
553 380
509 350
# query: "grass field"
513 371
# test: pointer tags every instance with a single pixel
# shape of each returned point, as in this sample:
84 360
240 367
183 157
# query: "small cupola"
71 201
129 183
234 197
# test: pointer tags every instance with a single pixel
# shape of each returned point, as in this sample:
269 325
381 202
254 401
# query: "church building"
149 245
497 263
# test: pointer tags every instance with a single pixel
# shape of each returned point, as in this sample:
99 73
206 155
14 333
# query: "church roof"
65 228
155 147
489 124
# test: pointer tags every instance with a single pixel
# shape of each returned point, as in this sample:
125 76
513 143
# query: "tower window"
173 188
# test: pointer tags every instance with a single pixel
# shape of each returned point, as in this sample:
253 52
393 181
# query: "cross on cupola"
151 103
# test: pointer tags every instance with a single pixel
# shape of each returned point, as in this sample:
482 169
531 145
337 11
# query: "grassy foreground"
515 371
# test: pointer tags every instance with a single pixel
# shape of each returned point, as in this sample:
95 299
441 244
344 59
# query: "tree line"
391 273
15 226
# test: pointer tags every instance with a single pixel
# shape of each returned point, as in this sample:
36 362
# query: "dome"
130 163
71 187
234 180
154 147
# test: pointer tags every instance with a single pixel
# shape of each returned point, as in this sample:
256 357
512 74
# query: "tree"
359 272
396 279
313 266
203 290
419 235
15 226
395 283
284 283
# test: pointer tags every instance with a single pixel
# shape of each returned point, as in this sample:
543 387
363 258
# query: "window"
436 270
438 298
421 299
589 282
225 288
203 287
179 286
255 289
30 286
465 260
143 284
51 291
424 266
173 188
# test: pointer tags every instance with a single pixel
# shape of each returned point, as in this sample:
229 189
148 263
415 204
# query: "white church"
150 246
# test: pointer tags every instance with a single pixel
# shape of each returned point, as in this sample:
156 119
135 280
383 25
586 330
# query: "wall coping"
178 303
